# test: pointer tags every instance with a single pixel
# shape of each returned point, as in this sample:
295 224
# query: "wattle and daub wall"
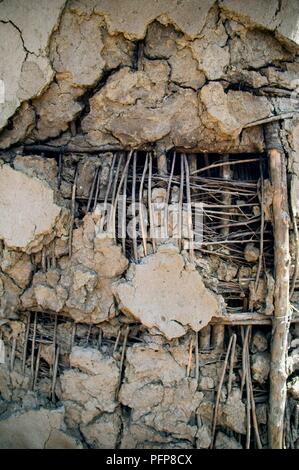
108 341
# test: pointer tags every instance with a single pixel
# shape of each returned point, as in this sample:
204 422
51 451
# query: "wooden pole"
280 324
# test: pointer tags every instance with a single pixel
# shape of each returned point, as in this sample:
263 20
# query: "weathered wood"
246 318
135 250
122 360
37 366
73 207
123 181
149 195
231 365
189 366
280 324
33 345
271 119
142 216
226 173
205 337
181 197
54 378
293 203
26 343
189 211
219 392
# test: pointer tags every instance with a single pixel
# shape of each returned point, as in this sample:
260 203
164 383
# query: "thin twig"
54 375
114 196
231 366
92 188
117 341
54 340
244 358
216 165
219 392
271 119
189 210
37 366
33 345
108 191
149 193
122 179
88 334
180 214
124 212
190 357
26 343
73 206
134 235
262 229
143 232
126 334
168 194
97 189
296 237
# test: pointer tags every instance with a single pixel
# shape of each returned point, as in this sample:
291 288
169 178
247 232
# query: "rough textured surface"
154 386
103 433
134 109
292 129
225 442
183 300
40 429
91 75
269 15
37 216
25 68
232 413
82 285
260 367
90 390
81 44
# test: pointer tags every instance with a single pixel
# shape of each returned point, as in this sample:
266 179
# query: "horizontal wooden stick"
271 119
247 319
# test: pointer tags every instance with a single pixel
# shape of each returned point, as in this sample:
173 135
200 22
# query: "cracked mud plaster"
25 32
166 294
28 213
36 429
84 61
80 286
129 73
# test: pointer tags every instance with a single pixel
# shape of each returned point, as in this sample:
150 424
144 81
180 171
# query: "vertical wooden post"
280 327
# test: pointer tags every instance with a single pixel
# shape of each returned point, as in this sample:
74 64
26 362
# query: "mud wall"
108 342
